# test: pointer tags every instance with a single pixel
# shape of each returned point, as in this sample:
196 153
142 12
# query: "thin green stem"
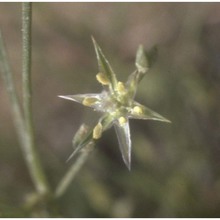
78 138
30 153
71 173
24 138
9 83
26 64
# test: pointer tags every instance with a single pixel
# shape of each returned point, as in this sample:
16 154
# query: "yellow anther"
137 110
97 131
122 120
102 79
88 101
120 87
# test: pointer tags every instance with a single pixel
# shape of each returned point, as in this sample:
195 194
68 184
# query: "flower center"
116 104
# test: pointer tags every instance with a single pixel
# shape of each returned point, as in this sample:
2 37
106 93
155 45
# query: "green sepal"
79 142
145 60
80 98
84 137
104 66
147 114
141 61
152 55
132 83
124 139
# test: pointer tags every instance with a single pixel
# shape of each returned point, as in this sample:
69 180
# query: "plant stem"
30 153
8 80
71 173
26 64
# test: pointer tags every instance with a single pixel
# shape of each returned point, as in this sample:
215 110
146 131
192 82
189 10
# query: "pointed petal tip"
94 41
163 120
166 120
127 162
66 97
71 156
128 166
63 96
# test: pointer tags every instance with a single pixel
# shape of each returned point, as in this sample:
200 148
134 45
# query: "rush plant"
116 102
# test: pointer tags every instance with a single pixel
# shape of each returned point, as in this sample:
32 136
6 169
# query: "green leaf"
104 66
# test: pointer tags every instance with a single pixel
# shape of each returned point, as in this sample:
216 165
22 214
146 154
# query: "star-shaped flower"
116 102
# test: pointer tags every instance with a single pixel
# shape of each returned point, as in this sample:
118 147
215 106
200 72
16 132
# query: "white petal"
123 134
145 113
80 97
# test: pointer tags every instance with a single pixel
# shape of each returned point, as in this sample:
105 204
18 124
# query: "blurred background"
175 167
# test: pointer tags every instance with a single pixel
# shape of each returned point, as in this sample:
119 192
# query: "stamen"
137 110
102 79
122 120
89 101
120 87
97 131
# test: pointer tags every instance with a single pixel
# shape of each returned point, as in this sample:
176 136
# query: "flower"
116 102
